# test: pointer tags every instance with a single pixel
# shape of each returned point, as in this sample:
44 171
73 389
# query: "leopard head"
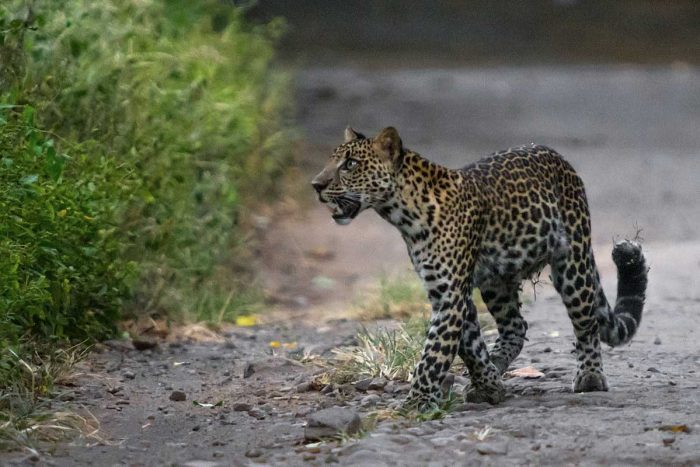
360 174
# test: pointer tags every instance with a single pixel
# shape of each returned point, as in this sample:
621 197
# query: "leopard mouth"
345 211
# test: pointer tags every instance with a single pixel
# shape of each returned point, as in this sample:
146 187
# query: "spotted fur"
488 225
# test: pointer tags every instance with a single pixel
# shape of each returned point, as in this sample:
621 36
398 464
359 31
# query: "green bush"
135 135
60 270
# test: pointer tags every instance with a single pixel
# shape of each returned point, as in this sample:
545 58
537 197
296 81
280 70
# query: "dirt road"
632 134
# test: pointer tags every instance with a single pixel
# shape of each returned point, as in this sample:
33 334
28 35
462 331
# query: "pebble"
657 340
370 400
178 396
257 414
377 384
253 453
248 370
363 384
494 448
128 374
330 422
241 407
144 343
303 387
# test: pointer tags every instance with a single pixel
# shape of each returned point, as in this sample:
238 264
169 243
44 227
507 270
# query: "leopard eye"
349 164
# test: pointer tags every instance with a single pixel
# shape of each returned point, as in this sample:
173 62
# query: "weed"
391 353
27 415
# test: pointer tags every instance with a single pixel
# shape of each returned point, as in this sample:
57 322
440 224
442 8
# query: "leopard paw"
420 402
589 382
493 393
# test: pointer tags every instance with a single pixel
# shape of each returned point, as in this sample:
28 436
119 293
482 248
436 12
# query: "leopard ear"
351 134
388 143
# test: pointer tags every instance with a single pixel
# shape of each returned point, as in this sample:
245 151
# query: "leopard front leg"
486 383
441 346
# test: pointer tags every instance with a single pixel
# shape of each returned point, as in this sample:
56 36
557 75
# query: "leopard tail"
618 325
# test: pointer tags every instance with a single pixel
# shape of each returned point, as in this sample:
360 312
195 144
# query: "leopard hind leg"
574 277
502 300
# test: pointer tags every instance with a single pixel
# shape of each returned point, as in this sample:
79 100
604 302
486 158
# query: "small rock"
196 428
377 384
144 343
486 449
128 374
257 414
347 389
668 441
547 350
115 390
178 396
253 453
630 365
303 387
657 340
653 370
327 389
248 370
363 384
329 422
370 400
241 407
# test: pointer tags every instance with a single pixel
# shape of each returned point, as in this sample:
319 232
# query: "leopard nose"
318 185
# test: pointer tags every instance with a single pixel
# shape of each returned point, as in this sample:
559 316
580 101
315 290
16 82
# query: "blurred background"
613 86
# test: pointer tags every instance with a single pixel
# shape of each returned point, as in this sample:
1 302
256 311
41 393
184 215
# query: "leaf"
207 405
246 321
675 428
54 163
527 372
29 179
275 344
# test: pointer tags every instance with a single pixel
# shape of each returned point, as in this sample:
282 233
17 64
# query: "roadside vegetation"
135 136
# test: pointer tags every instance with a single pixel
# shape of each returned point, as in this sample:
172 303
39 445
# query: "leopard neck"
419 196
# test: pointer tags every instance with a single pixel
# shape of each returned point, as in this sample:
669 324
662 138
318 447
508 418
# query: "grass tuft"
390 353
27 414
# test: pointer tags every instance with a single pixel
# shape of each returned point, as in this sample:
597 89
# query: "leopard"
489 225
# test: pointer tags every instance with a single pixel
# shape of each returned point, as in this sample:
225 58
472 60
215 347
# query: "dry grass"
27 415
389 353
392 352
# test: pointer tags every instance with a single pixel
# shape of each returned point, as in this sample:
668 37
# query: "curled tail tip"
620 324
627 253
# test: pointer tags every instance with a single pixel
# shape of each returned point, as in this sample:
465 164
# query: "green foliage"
134 135
182 93
60 270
